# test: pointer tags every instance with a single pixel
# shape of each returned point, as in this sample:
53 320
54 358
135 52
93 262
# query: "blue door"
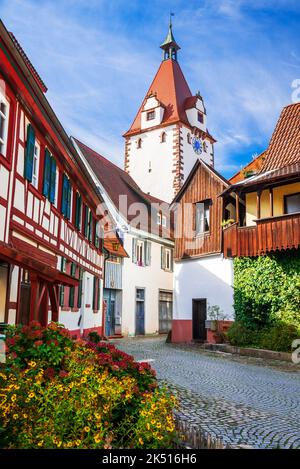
110 302
140 312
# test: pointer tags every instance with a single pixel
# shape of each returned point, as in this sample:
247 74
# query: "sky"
98 58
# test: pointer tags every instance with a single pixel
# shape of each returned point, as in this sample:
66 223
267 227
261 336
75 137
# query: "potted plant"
215 315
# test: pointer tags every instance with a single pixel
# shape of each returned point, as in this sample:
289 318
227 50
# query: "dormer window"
200 117
163 137
139 143
150 115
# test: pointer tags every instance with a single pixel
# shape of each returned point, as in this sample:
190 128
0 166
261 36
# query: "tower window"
205 147
200 117
150 115
163 137
139 143
188 137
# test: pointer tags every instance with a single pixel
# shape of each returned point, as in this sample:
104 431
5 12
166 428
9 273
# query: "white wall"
158 182
189 156
152 278
208 277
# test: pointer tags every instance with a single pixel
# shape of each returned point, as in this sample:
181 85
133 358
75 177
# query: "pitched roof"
209 168
118 182
28 63
284 147
171 89
254 166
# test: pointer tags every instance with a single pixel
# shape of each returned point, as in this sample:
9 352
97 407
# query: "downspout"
106 256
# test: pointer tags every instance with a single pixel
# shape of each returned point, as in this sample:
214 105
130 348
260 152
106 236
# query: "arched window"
139 143
188 137
163 137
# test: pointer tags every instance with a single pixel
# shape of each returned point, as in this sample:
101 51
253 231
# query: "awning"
115 247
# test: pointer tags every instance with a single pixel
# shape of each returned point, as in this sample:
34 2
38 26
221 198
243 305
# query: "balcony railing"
269 234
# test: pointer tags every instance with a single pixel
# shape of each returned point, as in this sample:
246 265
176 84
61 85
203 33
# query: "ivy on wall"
267 289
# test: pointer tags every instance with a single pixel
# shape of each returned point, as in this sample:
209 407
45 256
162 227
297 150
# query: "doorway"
199 318
110 316
165 311
140 312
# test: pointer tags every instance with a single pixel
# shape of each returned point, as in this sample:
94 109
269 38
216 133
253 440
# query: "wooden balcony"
269 234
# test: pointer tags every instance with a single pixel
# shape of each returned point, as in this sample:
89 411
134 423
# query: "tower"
169 131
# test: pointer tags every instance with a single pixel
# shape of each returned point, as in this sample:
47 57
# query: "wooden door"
140 312
199 318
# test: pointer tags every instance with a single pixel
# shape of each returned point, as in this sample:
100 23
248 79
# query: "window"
164 221
292 203
200 117
72 289
205 147
163 137
141 252
96 294
188 137
78 210
4 113
202 216
159 218
35 168
150 115
139 143
66 197
50 177
166 258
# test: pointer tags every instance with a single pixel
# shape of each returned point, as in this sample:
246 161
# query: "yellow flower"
141 441
148 426
15 416
31 395
159 437
58 444
83 380
153 422
153 407
32 364
78 442
13 397
69 444
86 429
158 425
40 443
97 438
25 416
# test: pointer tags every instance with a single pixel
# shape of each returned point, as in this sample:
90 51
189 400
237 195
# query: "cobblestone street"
232 400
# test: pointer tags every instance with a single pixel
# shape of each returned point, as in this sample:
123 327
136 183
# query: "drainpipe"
106 256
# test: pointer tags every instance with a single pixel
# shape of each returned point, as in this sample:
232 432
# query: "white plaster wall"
2 222
189 156
4 177
158 182
208 277
152 278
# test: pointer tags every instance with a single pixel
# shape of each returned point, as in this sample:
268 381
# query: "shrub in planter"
278 337
240 336
94 396
94 337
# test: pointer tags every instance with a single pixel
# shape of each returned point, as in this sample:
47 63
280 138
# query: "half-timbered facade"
50 252
202 277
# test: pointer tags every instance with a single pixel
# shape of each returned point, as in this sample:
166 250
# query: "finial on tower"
170 46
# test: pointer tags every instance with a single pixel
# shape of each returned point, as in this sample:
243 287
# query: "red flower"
63 373
10 342
49 373
37 343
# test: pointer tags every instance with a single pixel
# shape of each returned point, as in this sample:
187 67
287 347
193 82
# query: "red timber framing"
35 236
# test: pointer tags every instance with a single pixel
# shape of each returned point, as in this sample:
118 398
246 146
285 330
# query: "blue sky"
98 58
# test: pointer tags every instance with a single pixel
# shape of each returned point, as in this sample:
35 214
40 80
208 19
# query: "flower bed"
56 392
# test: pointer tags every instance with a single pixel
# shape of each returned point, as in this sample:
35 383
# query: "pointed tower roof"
171 89
170 40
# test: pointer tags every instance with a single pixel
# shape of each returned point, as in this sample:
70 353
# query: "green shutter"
71 297
64 196
79 300
29 153
47 173
90 237
78 211
61 295
68 215
86 221
52 181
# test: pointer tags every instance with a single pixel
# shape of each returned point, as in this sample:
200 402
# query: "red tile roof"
284 147
28 63
171 89
117 182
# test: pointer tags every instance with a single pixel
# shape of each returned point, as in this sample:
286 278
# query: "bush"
89 396
267 289
278 337
240 335
94 337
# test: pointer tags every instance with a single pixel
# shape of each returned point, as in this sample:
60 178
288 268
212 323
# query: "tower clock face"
197 145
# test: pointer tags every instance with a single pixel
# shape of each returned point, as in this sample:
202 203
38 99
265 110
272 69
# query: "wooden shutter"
52 180
64 196
69 192
90 237
29 153
163 257
97 238
134 257
147 252
86 221
78 211
47 173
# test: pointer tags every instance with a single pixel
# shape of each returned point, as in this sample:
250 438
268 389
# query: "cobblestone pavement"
237 402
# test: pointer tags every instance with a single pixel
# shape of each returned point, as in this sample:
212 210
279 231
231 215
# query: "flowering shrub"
85 395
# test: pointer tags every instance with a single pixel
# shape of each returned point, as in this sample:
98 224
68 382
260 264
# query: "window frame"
36 164
200 117
205 219
6 117
150 115
285 197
